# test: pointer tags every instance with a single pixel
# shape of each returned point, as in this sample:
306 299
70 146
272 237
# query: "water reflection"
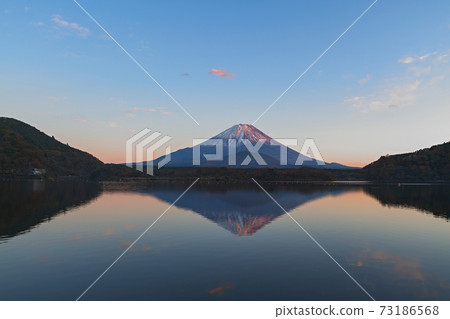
374 231
242 210
219 291
26 204
432 199
401 267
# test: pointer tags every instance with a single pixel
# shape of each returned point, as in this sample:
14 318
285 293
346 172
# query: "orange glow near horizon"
115 157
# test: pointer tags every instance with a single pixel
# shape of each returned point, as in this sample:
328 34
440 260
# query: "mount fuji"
242 137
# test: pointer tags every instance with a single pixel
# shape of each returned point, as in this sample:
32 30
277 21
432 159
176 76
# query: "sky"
382 88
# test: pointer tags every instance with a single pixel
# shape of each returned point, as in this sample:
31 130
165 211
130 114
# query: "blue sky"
383 88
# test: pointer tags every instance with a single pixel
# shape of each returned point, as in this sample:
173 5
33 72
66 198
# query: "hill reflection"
432 199
26 204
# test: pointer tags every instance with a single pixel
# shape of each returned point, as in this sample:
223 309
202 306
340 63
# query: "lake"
223 242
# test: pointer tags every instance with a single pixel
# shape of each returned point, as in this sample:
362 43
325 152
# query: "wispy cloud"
443 58
365 79
133 111
389 97
84 120
222 73
144 45
411 59
404 89
81 31
117 100
37 24
419 71
80 120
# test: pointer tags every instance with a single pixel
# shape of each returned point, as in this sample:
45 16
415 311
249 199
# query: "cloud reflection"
219 291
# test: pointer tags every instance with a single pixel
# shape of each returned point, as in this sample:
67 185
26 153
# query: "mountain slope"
24 148
239 134
427 164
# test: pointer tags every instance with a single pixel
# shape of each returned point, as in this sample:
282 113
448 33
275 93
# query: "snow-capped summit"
240 132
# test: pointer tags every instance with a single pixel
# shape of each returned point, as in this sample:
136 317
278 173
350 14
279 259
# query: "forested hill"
26 150
430 164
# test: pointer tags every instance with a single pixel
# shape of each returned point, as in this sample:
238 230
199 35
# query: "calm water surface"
223 242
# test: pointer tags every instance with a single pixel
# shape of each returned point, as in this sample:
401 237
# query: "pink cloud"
222 73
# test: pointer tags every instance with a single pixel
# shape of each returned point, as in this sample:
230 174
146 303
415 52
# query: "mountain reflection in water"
242 210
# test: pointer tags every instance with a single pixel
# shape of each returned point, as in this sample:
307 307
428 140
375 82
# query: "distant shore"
225 180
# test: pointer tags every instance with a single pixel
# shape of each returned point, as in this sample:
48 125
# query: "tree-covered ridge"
24 148
432 164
